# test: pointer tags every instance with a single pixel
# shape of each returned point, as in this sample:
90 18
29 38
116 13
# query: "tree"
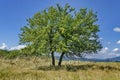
63 30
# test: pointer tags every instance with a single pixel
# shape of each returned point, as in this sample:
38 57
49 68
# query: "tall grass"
35 68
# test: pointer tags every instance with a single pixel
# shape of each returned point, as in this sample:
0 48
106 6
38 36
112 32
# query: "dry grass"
41 69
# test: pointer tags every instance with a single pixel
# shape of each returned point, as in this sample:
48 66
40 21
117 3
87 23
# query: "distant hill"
115 59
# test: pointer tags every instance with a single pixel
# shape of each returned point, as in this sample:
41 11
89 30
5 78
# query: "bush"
3 53
13 54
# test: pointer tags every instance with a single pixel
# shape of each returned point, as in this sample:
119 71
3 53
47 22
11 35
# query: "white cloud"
105 53
118 42
18 47
116 29
116 50
104 50
3 47
111 55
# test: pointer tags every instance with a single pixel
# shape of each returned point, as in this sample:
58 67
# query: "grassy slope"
40 69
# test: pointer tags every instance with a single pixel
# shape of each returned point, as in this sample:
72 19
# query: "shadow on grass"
78 67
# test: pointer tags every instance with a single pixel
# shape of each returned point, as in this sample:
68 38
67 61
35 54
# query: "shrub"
3 53
13 54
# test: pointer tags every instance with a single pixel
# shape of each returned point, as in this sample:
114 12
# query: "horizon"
14 14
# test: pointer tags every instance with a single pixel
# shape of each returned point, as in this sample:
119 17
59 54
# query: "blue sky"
14 13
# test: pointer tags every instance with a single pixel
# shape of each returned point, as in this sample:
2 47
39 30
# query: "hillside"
35 68
115 59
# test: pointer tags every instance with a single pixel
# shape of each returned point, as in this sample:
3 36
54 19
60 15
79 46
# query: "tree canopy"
63 30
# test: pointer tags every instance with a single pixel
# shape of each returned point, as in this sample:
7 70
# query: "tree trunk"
53 58
60 59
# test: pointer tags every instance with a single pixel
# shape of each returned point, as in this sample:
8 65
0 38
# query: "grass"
35 68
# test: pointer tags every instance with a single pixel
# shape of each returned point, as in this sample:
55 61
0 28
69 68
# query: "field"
35 68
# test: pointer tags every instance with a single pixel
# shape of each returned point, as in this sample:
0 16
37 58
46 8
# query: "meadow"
35 68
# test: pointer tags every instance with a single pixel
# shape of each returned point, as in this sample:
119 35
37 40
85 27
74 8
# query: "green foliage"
13 54
19 53
63 30
3 53
9 54
44 30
